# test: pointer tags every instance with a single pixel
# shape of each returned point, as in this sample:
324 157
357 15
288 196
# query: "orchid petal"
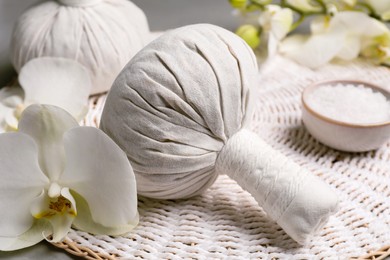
59 212
8 95
380 6
65 192
12 101
22 181
46 125
61 226
350 49
11 122
273 45
386 15
84 217
56 81
357 23
320 24
276 23
103 177
316 51
293 43
5 114
281 23
39 205
31 237
11 96
265 17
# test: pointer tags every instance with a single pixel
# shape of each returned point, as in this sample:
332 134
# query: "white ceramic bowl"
341 135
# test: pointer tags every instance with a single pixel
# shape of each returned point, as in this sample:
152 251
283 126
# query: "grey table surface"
162 15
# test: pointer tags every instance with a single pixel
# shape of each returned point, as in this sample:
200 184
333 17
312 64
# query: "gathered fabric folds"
175 105
179 111
102 35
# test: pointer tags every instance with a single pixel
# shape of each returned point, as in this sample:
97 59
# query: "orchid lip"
59 205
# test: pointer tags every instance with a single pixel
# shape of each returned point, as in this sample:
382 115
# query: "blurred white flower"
55 81
56 174
276 22
344 36
381 7
304 5
377 48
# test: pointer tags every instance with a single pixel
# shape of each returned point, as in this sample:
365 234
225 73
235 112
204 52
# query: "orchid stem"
261 5
284 4
322 4
371 11
297 22
254 3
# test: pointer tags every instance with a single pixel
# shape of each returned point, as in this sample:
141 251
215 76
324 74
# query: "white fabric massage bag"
179 110
102 35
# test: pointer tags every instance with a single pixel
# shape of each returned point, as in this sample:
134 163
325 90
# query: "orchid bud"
250 34
238 3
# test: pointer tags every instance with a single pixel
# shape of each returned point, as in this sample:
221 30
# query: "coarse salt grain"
354 104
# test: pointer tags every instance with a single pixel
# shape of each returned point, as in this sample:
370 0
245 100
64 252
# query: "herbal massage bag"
102 35
179 110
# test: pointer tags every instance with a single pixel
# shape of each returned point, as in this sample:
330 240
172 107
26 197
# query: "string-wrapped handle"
297 200
80 3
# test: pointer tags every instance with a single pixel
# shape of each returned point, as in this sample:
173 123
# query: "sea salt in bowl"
347 115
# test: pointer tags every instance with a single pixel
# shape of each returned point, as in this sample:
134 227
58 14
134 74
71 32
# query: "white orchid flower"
275 21
344 36
54 81
381 7
56 174
304 5
377 48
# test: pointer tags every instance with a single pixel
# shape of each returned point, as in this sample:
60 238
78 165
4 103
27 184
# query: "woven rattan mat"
226 222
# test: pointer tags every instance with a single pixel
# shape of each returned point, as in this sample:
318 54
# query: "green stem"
371 11
322 4
253 3
297 22
302 15
260 4
284 4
